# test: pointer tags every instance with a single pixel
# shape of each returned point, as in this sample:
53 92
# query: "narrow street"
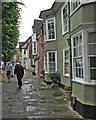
34 100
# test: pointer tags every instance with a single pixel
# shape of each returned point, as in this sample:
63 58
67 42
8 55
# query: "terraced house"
70 49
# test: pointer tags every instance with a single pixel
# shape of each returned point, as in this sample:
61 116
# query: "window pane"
80 72
66 62
93 62
67 53
74 42
77 41
77 63
77 72
80 50
66 70
45 62
92 49
51 67
51 33
80 62
92 37
92 43
80 39
65 28
74 4
75 51
93 74
52 62
79 67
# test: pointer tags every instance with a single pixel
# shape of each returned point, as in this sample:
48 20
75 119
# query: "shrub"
42 71
55 76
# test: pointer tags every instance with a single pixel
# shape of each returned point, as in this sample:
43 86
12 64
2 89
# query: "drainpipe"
69 43
70 55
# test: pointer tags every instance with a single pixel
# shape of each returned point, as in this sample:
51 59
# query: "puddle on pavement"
57 94
30 108
42 108
31 93
33 100
27 97
41 88
40 113
39 117
42 101
9 98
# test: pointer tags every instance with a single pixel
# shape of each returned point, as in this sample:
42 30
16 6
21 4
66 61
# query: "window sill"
49 40
91 83
64 33
46 72
75 10
34 54
66 75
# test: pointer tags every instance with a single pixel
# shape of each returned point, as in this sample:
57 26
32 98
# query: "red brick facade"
40 48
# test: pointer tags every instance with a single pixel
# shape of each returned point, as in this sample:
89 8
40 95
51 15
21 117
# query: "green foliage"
10 29
42 71
2 77
54 76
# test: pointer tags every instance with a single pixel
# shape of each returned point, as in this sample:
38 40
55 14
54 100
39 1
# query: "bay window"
92 55
84 56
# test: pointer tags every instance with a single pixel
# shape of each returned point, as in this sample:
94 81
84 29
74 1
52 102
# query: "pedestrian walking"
8 68
19 71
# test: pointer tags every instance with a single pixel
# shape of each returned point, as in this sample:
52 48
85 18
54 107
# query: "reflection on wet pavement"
34 100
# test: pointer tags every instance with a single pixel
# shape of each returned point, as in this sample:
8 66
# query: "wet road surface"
34 100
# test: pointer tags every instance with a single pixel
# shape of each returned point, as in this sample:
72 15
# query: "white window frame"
33 47
87 31
71 6
47 69
65 74
81 2
86 63
63 26
73 64
47 39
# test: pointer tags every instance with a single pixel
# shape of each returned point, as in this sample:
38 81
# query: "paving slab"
35 100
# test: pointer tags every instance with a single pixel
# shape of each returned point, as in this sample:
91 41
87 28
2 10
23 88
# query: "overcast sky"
29 13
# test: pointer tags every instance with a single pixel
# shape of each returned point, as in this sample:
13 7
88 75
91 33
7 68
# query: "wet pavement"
35 100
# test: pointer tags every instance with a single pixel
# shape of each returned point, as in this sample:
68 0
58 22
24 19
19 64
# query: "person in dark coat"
19 71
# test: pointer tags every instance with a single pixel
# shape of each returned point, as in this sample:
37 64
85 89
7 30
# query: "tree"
10 29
